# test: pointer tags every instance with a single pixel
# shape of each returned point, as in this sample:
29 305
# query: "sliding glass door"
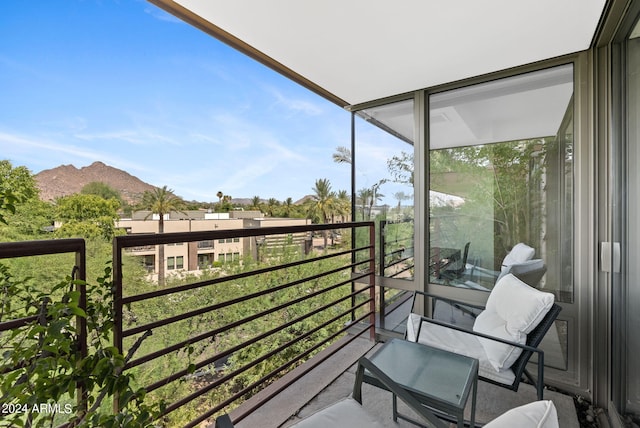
625 253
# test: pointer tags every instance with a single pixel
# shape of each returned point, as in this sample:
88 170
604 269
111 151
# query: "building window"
171 263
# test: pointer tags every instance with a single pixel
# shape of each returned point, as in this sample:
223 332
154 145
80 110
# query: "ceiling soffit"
357 51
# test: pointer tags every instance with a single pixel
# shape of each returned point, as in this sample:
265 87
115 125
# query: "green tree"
17 185
401 168
101 189
22 214
87 216
161 201
18 181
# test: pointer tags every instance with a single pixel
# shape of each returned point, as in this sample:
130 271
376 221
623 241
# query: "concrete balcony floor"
333 380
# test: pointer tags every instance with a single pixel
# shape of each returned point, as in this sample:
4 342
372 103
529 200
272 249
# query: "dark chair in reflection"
457 268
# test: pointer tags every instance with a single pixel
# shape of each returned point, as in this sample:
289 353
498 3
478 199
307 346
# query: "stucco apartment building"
196 255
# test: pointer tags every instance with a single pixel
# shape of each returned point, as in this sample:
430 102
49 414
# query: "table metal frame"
415 366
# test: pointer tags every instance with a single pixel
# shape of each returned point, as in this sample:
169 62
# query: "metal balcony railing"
208 340
216 340
38 313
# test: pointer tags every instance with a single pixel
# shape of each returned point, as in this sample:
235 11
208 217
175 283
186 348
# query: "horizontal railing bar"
17 323
400 271
210 308
303 372
396 262
226 353
166 291
233 325
264 357
9 250
121 242
222 329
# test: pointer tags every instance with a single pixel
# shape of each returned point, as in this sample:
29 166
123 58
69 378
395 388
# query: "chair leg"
539 384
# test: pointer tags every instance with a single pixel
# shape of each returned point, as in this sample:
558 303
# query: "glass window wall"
384 168
501 174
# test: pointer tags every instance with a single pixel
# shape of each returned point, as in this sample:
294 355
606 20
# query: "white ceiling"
363 50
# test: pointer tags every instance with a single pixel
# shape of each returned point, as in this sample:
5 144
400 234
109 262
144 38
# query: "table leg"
395 408
472 421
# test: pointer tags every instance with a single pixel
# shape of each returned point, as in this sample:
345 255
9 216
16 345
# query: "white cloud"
161 15
295 104
22 148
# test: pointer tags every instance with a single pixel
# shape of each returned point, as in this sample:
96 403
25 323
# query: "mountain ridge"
67 180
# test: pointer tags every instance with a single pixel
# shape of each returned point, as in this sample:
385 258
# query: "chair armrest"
488 272
396 389
445 299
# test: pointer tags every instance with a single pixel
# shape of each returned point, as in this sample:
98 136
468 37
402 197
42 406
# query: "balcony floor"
333 380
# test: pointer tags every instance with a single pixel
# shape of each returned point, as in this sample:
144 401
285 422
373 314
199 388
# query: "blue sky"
122 82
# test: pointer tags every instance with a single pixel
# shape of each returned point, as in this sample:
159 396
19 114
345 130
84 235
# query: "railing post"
117 308
372 280
81 274
382 263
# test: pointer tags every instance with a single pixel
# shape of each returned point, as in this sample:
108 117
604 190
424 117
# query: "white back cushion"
539 414
513 310
347 413
519 253
520 305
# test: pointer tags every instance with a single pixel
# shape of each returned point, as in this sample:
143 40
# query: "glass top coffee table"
439 379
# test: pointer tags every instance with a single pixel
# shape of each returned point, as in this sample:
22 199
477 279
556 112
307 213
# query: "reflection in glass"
501 168
384 183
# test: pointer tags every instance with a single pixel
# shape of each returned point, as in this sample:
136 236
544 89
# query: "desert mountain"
67 180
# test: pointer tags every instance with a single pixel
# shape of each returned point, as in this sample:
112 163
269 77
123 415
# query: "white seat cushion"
539 414
347 413
459 342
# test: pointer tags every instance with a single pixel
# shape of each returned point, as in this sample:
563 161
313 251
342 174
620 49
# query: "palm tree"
255 202
400 196
219 195
362 199
323 203
161 201
375 194
343 206
272 203
342 155
288 203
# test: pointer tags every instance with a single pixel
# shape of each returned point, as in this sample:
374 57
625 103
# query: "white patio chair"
504 336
